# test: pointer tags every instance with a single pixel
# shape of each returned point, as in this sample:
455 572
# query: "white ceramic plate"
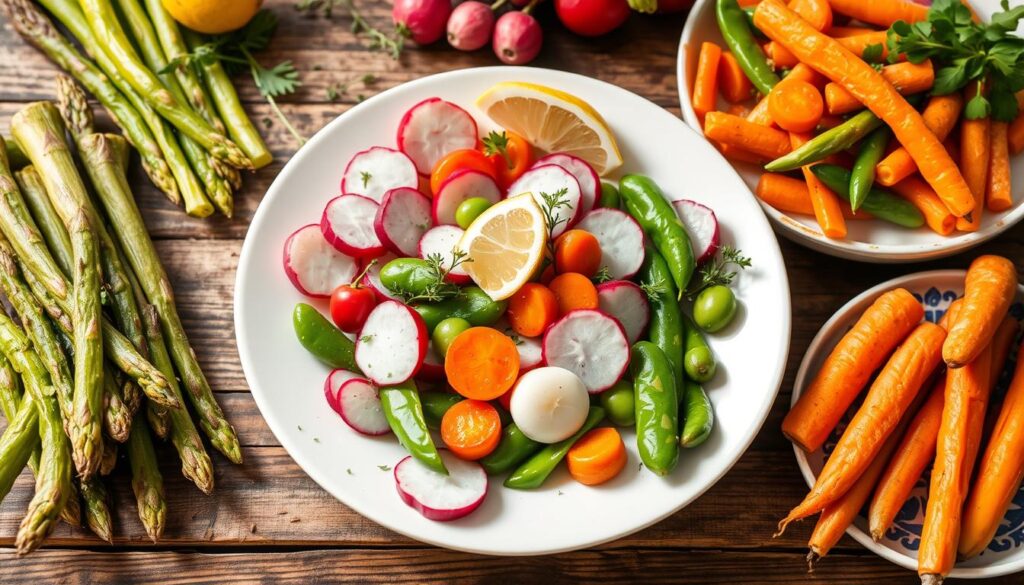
870 241
563 515
937 290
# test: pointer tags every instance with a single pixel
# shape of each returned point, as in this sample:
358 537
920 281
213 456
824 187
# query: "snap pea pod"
609 196
879 202
404 413
435 404
827 143
739 36
322 339
407 275
648 206
666 325
862 176
700 417
473 305
536 469
512 450
657 407
698 359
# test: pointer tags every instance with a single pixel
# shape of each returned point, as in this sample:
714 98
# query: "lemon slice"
505 245
553 121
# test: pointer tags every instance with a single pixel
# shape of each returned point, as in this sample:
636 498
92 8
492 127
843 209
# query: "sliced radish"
432 129
347 224
462 185
332 385
591 345
621 239
590 184
443 240
627 302
360 408
372 279
391 345
433 366
702 226
372 173
402 219
531 352
314 266
441 497
551 179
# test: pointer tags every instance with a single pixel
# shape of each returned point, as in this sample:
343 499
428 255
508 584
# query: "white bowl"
869 241
286 381
936 289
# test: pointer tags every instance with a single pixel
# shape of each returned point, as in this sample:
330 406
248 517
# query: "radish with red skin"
441 497
347 224
517 38
371 279
702 226
360 408
332 385
591 345
551 179
433 366
627 303
373 172
460 186
432 129
392 344
402 219
621 240
586 176
531 353
443 240
424 19
470 25
314 266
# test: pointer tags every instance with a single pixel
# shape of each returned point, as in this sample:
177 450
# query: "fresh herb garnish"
603 275
497 143
551 203
365 177
717 272
384 467
873 53
366 338
653 290
438 289
336 90
392 44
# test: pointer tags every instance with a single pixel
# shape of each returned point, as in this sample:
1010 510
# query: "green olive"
446 332
714 308
699 364
619 405
469 210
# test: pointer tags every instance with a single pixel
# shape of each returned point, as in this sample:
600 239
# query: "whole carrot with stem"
989 289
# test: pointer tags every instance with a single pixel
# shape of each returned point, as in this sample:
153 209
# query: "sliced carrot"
705 84
907 78
577 251
989 289
804 73
760 115
796 105
738 132
482 363
790 195
998 195
881 13
597 457
818 13
975 151
826 203
847 369
733 83
471 429
924 198
573 291
940 115
532 309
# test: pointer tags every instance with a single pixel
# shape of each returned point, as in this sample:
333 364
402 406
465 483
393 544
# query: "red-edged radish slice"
627 302
433 366
332 385
590 184
531 352
314 266
443 240
372 173
359 406
591 345
441 497
347 224
551 179
372 279
432 129
402 219
462 185
702 226
621 239
391 345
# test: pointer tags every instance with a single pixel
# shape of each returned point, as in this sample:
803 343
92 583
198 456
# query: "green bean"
404 412
435 404
700 417
322 339
512 450
648 206
880 203
827 143
738 35
862 177
537 468
666 326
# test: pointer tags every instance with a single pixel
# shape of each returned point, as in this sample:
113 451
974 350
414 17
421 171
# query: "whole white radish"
373 172
315 267
591 345
402 219
347 224
627 302
437 496
392 344
549 404
621 239
432 129
702 226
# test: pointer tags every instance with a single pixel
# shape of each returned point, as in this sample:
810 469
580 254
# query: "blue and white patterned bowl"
936 290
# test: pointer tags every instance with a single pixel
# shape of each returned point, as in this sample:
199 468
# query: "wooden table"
268 522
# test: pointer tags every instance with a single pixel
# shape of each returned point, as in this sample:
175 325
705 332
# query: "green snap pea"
473 305
657 407
609 196
738 34
654 213
714 308
617 401
512 450
532 473
435 404
862 177
700 418
827 143
411 275
322 339
666 325
404 413
698 359
879 202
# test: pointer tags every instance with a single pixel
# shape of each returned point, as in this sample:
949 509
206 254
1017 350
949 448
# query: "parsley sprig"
438 289
718 270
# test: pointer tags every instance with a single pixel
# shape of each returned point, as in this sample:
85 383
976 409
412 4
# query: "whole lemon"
213 16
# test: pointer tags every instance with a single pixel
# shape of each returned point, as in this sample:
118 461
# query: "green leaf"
1004 104
977 108
256 35
948 80
279 80
873 53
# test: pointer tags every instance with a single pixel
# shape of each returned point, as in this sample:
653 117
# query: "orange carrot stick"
828 57
816 12
839 32
760 114
705 84
857 43
998 196
733 83
975 151
790 195
739 155
1015 133
891 394
989 289
940 115
882 13
780 56
847 369
907 78
826 203
738 132
916 191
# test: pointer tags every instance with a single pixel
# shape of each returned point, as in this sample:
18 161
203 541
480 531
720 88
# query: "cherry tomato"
592 18
515 160
458 160
351 305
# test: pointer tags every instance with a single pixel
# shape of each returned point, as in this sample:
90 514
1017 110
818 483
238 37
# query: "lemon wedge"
505 245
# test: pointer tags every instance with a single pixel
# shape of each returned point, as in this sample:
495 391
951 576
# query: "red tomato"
592 18
516 160
458 160
351 305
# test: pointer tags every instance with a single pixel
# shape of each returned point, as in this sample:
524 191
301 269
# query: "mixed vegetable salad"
518 306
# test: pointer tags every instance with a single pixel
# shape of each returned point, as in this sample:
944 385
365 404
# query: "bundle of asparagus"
93 350
177 116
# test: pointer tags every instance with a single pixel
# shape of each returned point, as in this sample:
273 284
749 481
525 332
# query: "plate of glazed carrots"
908 424
856 141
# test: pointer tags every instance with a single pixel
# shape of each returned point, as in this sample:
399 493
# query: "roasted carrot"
916 191
738 132
796 105
840 32
975 151
825 202
882 13
482 363
532 309
818 13
841 378
857 43
989 289
573 291
759 115
597 457
790 195
1015 133
891 394
940 115
828 57
471 429
907 78
705 84
998 196
780 56
578 251
739 155
951 315
733 83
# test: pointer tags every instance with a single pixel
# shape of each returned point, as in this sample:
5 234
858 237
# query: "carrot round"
597 457
573 291
998 196
532 309
482 363
818 13
882 13
847 369
828 57
577 251
825 202
924 198
741 133
989 289
796 105
889 398
705 84
733 83
940 115
907 78
790 195
471 429
975 151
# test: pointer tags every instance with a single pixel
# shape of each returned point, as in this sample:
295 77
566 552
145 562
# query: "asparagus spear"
47 221
19 441
97 508
147 483
108 461
116 419
15 158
